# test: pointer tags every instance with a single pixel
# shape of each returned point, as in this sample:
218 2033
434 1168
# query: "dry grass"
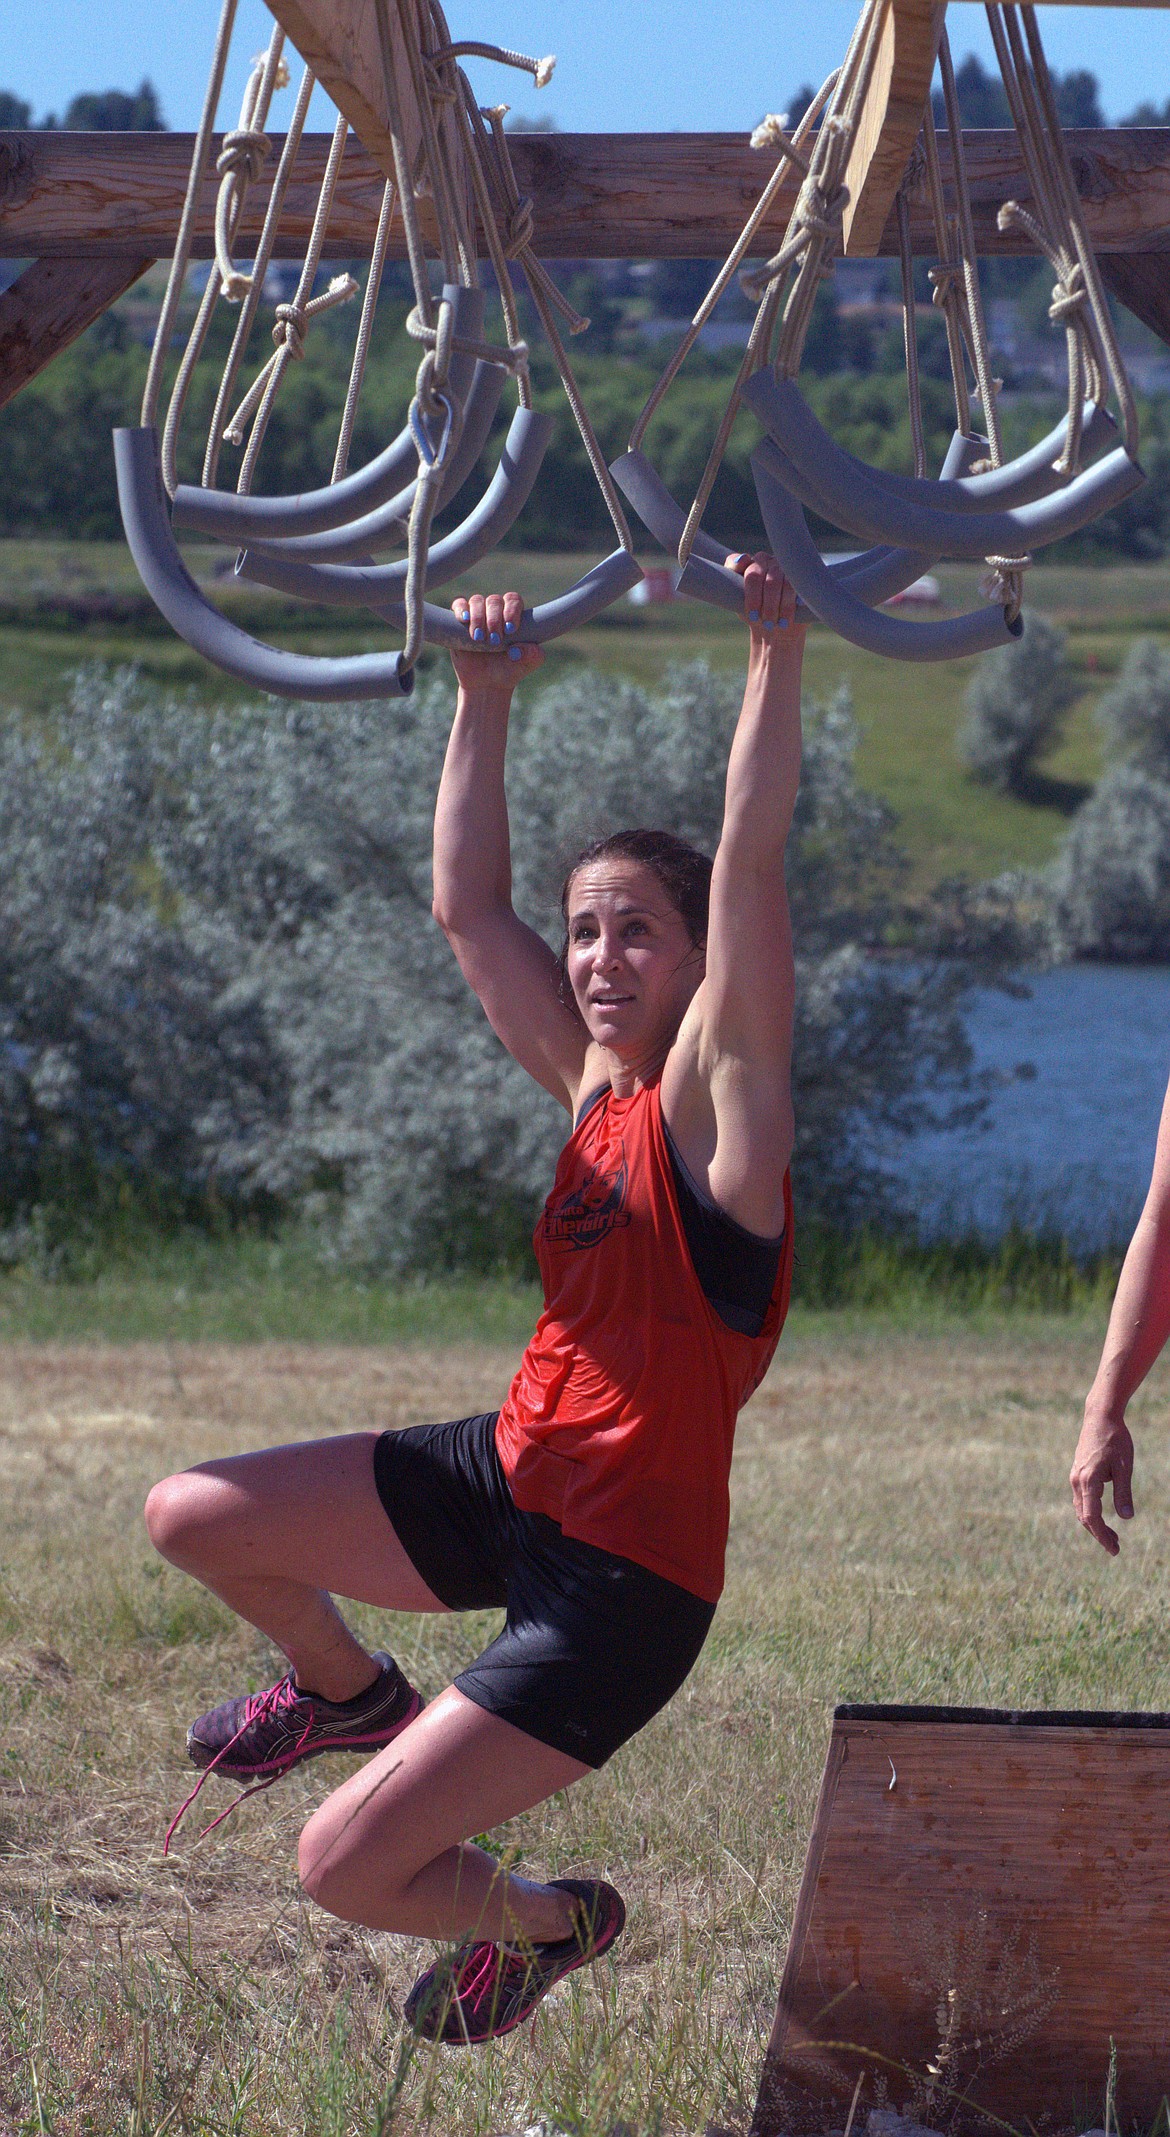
900 1532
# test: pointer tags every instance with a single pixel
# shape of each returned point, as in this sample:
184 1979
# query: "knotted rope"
1003 582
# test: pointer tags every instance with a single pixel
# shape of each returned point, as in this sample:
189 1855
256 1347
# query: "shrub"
1135 714
219 974
1016 704
1110 885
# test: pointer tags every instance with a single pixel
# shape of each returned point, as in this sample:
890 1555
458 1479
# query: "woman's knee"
183 1514
334 1869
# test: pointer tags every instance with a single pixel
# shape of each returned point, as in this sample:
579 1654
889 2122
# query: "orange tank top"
619 1424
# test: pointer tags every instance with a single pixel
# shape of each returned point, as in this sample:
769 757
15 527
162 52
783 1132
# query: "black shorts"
593 1644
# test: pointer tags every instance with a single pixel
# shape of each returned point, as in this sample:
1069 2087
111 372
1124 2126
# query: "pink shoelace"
259 1706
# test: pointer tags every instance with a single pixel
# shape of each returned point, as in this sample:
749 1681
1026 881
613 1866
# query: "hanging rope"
181 258
910 334
977 329
361 347
949 282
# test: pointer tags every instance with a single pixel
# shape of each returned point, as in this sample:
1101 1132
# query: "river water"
1068 1138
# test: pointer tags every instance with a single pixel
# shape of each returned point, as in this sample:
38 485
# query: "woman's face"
631 962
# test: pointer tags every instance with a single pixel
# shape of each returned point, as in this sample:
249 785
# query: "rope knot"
245 148
521 228
824 211
1003 581
291 325
1069 295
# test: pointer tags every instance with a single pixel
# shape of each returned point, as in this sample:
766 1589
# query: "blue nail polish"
766 626
477 637
494 639
753 615
509 627
514 652
781 623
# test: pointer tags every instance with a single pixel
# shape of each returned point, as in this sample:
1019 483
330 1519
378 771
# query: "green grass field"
65 603
901 1532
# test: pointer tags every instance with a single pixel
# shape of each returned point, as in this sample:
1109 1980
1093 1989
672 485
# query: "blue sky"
623 64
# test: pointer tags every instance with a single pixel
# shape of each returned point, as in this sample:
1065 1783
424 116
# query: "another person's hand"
1104 1456
769 601
490 662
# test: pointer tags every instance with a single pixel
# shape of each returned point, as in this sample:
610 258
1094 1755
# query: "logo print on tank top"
587 1214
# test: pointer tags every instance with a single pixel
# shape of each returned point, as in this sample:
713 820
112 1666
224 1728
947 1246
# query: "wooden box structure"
984 1919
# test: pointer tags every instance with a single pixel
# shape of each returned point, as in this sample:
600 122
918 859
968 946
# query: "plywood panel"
890 119
988 1895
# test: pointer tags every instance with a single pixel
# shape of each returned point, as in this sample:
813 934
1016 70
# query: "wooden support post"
1141 281
49 305
891 119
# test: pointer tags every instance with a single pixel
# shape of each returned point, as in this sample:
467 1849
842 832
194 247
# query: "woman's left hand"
490 659
769 601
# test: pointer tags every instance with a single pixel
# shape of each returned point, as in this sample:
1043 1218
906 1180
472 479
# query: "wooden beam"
49 305
890 120
1141 281
595 196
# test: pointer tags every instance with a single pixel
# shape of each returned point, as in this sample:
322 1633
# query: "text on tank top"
620 1421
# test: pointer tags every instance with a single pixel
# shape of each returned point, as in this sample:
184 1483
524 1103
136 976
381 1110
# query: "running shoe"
481 1991
266 1734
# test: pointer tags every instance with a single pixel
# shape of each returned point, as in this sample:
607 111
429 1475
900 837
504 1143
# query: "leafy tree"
14 111
114 111
1110 884
219 974
1016 703
1135 714
982 101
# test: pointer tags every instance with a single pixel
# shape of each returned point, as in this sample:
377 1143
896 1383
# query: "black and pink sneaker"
481 1991
268 1733
263 1735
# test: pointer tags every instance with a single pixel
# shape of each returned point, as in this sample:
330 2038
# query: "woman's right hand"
490 663
1104 1456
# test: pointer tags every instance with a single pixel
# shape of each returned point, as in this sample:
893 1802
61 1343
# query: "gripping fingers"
769 601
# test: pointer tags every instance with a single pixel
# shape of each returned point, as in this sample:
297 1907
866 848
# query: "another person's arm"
1139 1326
727 1092
507 964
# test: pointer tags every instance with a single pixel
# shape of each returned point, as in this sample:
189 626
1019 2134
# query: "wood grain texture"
890 119
1141 281
999 1880
49 305
595 196
339 40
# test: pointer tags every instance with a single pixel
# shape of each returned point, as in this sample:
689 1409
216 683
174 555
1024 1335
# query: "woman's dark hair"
683 872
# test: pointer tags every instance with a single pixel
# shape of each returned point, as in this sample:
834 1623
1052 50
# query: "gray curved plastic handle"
861 502
596 590
354 585
838 607
875 575
1018 482
642 487
146 520
228 517
385 526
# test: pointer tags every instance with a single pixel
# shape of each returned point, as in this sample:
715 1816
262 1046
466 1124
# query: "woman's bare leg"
389 1848
276 1534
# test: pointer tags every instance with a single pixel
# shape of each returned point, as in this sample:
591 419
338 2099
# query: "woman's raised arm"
508 965
1139 1325
727 1091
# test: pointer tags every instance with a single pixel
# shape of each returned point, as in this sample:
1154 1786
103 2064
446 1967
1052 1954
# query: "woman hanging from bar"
593 1508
